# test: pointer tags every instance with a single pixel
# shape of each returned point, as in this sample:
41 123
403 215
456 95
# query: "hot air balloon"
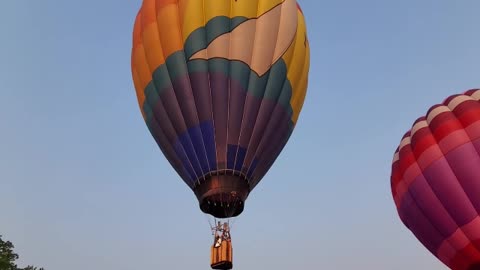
435 180
220 85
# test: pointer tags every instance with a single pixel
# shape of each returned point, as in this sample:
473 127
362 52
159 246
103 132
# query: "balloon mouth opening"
222 196
221 209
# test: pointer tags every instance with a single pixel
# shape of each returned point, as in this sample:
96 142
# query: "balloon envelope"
220 85
435 180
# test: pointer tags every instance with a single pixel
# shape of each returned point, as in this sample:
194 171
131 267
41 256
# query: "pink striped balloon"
435 180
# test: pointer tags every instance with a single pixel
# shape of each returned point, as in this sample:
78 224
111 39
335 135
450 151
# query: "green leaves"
8 257
32 268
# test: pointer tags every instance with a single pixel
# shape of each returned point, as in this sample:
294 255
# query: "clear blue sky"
84 186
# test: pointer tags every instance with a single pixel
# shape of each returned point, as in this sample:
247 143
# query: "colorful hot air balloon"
436 180
220 85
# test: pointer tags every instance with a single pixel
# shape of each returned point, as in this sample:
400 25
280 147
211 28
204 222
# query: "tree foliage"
8 257
32 268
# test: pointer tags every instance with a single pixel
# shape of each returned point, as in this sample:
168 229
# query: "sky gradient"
83 184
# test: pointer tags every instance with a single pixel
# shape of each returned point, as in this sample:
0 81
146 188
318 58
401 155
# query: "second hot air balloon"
435 180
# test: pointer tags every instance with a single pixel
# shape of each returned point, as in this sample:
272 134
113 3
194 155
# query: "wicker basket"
222 256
